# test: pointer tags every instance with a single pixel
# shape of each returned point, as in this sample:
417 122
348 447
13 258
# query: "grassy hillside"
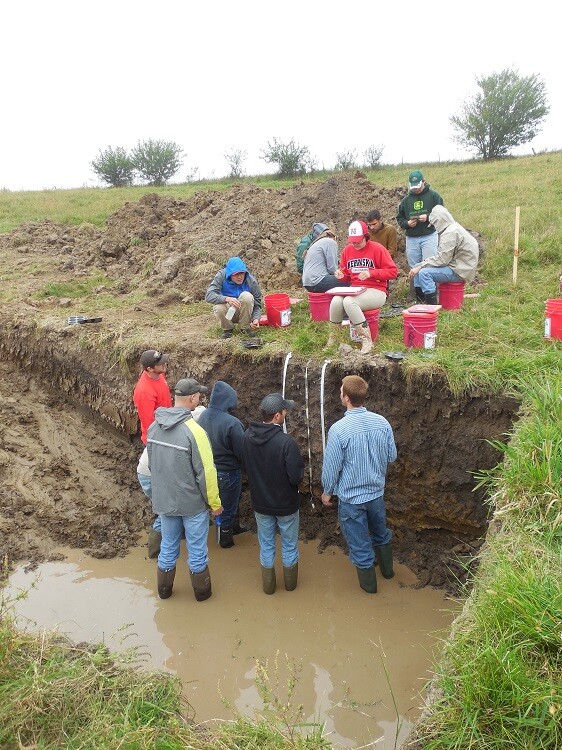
499 683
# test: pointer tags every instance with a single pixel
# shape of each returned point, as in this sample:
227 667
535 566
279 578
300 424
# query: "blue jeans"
230 489
196 535
289 531
146 486
420 248
364 526
430 276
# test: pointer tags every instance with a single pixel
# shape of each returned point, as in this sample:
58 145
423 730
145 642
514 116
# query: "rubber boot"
165 582
225 537
366 340
201 583
420 296
290 576
431 299
384 554
268 581
236 527
367 579
153 544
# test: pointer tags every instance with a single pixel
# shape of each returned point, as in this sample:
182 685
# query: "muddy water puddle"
354 655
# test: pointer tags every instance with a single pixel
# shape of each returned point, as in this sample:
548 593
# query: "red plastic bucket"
420 329
451 295
372 318
278 309
319 304
553 319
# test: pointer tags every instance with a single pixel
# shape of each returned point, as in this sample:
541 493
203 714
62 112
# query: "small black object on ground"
395 356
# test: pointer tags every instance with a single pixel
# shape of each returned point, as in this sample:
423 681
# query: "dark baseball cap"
152 357
275 402
189 386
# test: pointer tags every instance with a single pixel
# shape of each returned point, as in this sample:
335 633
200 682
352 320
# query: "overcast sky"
216 76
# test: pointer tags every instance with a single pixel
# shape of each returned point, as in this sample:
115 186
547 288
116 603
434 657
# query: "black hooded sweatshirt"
225 431
274 467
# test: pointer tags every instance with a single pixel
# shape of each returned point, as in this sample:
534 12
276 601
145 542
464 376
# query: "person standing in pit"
358 450
184 488
151 392
226 434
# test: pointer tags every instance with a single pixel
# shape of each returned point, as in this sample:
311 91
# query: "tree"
347 159
114 166
157 161
504 114
373 156
291 158
235 159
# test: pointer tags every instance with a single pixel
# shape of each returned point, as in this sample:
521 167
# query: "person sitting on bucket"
456 258
236 298
363 263
321 261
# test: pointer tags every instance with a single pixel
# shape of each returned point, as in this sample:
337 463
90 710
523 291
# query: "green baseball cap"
415 178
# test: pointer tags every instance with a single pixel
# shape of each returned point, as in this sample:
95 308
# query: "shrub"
291 158
157 161
114 167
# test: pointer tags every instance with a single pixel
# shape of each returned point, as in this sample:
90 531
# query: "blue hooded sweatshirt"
231 288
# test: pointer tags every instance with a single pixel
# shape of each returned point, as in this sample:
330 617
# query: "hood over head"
440 218
171 416
235 265
223 397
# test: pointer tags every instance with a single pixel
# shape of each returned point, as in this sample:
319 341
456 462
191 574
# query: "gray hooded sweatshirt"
184 478
457 248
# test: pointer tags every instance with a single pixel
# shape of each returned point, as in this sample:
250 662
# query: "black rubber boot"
225 537
367 579
431 299
154 541
165 582
420 297
201 583
268 581
384 554
290 576
237 529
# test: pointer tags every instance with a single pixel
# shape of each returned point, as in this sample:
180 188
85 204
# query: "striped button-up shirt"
359 448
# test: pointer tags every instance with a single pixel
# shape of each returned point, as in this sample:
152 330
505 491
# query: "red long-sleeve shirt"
149 394
374 258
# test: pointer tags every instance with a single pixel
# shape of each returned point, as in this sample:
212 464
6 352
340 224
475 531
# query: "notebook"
349 291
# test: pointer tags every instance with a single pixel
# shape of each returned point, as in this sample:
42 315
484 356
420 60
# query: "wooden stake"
516 245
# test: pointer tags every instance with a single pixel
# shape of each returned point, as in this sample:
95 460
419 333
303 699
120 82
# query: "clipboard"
347 291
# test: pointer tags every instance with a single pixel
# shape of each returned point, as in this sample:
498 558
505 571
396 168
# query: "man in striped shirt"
359 448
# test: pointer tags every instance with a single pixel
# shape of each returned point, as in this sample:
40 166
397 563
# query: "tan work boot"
366 340
201 583
290 576
165 582
268 581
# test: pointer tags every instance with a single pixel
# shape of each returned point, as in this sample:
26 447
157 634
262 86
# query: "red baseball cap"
357 230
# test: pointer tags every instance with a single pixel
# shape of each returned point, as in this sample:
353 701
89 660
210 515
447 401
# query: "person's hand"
412 222
414 271
422 217
255 324
217 511
232 301
338 273
326 499
363 275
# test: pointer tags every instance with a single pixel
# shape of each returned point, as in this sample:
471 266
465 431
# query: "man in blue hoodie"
236 298
226 434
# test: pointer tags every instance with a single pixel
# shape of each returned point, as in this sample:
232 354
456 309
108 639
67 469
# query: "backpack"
304 243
